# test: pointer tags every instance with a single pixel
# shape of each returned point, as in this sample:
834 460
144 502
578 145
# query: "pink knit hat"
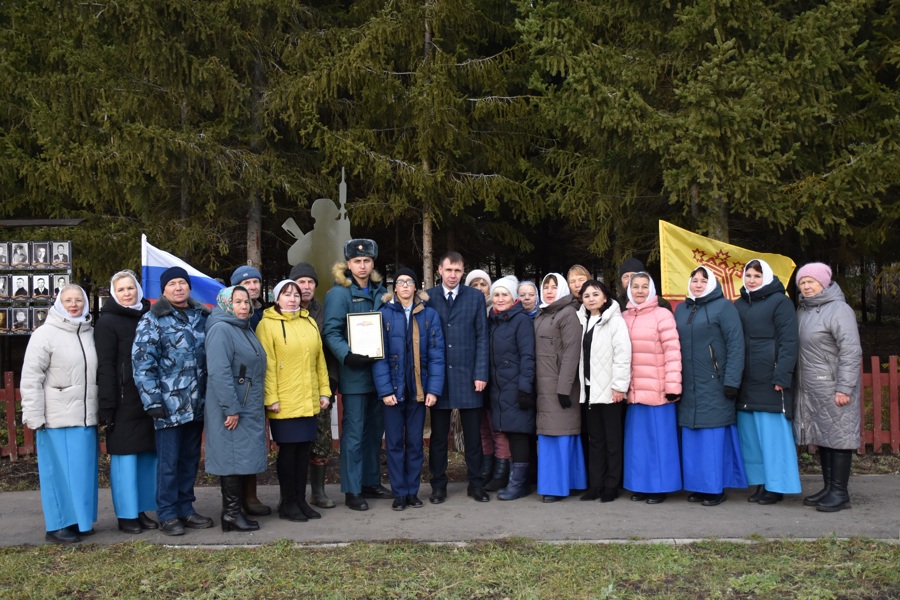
818 271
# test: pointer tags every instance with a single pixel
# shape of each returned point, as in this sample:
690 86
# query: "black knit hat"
632 265
408 273
304 270
173 273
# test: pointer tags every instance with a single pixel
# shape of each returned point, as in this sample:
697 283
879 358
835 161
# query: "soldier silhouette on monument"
323 245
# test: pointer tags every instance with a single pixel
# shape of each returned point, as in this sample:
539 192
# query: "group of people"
560 383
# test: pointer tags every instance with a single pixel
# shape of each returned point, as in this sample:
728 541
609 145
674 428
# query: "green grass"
822 570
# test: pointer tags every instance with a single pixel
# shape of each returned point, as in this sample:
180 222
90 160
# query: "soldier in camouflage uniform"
304 274
169 362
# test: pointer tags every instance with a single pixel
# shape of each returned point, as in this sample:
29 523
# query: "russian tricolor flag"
154 261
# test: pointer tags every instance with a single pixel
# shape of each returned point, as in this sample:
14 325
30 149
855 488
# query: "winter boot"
252 505
518 483
317 487
500 478
233 518
825 461
487 468
837 498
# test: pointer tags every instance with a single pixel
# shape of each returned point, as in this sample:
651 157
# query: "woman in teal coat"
234 419
712 363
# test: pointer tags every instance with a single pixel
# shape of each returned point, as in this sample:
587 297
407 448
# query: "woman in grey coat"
826 404
235 421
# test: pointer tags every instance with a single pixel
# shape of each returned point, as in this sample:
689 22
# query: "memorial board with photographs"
38 317
19 320
62 253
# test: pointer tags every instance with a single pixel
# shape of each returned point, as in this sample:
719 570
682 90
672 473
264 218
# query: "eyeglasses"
405 283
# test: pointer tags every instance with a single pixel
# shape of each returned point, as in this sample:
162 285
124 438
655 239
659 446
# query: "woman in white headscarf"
557 334
652 465
130 436
59 401
712 362
765 407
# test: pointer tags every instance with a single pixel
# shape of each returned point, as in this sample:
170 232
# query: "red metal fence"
879 426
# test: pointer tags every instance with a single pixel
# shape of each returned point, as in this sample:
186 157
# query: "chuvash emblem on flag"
682 251
154 261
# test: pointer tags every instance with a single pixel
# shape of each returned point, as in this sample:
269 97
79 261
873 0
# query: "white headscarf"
711 284
140 291
562 287
767 273
85 312
652 294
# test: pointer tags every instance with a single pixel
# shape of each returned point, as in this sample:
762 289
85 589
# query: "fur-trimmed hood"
342 276
388 297
163 307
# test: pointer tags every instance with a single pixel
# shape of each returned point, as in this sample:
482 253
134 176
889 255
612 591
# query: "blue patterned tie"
449 300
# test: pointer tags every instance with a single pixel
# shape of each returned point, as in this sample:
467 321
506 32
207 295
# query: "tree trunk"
718 220
254 203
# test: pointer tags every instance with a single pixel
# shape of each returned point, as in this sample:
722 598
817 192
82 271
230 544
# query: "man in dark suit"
40 288
464 320
60 256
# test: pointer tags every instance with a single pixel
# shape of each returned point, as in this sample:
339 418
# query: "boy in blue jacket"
409 378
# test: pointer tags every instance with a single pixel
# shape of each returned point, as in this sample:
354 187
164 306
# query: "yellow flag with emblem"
682 251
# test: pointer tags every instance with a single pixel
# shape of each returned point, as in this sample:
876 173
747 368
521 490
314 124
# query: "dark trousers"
470 418
403 427
603 437
362 428
292 466
520 447
178 455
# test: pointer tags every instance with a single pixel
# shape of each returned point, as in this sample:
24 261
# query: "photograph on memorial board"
4 319
4 287
40 288
59 282
4 255
62 254
21 286
19 256
19 320
38 317
40 255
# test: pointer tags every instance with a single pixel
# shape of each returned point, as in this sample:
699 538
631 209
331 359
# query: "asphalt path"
875 514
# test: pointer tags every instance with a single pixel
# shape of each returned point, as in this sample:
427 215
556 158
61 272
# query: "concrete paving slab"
875 514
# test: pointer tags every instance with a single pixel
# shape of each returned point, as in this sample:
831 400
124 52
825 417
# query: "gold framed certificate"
364 334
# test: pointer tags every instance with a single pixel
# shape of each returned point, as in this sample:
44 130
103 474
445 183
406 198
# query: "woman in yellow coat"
296 389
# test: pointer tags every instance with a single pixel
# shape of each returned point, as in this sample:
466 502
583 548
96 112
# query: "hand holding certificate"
364 334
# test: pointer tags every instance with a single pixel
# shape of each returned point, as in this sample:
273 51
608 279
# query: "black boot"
487 468
760 490
233 518
825 461
837 498
251 503
500 477
286 464
518 483
317 487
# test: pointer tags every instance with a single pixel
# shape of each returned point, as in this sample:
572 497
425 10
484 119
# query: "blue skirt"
292 431
67 469
712 460
770 456
132 479
560 465
652 461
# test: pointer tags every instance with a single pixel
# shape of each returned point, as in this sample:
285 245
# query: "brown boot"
252 505
317 487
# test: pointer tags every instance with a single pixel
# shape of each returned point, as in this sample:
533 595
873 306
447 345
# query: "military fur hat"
360 247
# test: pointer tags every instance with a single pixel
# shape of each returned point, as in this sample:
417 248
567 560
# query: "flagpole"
145 269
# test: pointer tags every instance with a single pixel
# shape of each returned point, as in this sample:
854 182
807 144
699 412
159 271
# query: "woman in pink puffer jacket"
652 464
